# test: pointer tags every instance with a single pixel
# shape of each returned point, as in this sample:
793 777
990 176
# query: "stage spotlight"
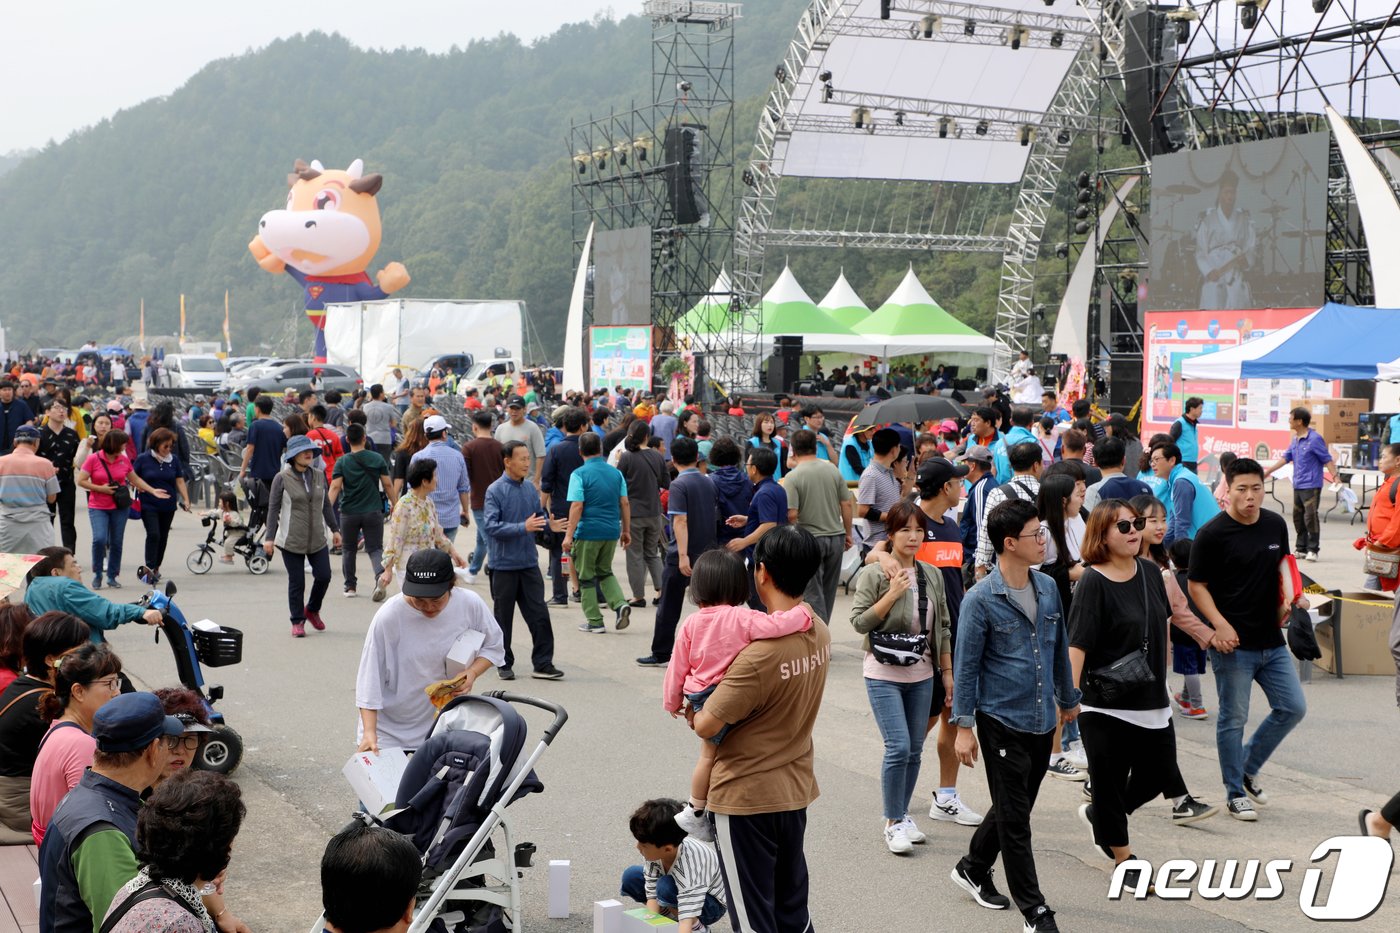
1081 212
1061 250
621 153
827 91
1126 134
640 145
970 28
1181 21
1049 2
1038 312
1062 137
1085 180
1082 227
1249 13
1085 195
684 87
1027 134
1015 36
780 74
1320 6
981 127
824 77
1102 48
748 179
1057 38
899 118
943 125
858 118
929 25
582 160
884 9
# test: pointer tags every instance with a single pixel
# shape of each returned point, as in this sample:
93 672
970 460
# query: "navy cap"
26 432
130 721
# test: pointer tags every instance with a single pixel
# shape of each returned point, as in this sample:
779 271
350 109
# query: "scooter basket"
219 649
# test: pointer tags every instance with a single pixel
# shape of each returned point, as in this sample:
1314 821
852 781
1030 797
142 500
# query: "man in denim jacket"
1011 673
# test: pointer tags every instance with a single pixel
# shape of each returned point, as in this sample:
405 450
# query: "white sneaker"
695 824
468 577
912 831
953 810
1074 754
897 839
1062 769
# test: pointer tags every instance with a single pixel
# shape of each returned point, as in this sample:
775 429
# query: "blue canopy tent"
1334 342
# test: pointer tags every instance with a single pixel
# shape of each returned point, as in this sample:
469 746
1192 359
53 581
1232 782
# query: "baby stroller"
453 797
201 559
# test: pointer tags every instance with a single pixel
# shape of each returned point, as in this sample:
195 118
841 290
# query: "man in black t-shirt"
1234 582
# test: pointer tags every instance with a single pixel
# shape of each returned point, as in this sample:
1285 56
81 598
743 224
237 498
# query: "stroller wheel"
257 563
221 752
201 560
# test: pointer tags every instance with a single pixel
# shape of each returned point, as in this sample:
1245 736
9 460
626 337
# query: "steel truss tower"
625 175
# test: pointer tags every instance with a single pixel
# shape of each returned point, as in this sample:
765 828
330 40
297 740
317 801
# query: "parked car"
237 364
479 375
249 375
297 375
182 371
459 363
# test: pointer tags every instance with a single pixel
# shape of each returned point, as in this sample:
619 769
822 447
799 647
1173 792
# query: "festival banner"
1246 416
182 319
619 355
143 326
228 342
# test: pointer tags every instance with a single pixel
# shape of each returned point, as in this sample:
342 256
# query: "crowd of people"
1026 578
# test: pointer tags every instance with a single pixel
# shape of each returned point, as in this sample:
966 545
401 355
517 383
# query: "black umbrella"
912 408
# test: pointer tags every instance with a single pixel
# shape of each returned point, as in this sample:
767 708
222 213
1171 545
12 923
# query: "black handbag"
1131 671
904 649
1302 640
121 496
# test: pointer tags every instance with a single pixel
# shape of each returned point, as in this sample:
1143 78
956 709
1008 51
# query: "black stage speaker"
1149 59
1125 381
783 370
684 175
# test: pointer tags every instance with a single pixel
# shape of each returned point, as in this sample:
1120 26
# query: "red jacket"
1383 523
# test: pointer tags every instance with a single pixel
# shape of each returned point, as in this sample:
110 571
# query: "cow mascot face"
326 238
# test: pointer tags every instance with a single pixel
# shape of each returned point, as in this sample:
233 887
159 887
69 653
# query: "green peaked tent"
911 322
711 313
787 311
843 304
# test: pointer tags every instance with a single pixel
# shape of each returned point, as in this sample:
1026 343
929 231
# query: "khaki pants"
15 822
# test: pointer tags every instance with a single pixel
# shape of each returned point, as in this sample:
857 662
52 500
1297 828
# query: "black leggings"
1128 766
1391 811
157 535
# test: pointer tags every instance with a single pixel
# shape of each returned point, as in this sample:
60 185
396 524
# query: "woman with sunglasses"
1120 613
84 680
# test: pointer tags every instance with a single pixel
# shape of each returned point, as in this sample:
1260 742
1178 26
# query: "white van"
180 371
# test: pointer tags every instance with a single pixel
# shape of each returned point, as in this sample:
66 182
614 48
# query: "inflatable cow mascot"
326 238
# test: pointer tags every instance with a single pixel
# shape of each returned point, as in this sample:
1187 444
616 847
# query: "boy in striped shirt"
681 877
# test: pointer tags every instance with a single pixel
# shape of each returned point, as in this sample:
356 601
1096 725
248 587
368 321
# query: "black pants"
1305 522
1128 766
674 585
765 871
1391 811
1015 763
523 588
62 508
351 524
296 581
157 535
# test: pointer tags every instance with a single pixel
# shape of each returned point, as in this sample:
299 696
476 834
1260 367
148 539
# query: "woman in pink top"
84 679
102 474
707 642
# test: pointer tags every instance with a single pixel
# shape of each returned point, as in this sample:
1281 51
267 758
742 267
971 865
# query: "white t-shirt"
406 651
1074 537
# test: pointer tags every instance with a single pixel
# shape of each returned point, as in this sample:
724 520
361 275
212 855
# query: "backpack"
1014 490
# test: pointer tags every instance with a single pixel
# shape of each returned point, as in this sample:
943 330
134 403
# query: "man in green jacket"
57 586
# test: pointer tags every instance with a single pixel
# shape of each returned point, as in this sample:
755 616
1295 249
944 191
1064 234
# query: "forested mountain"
162 198
9 160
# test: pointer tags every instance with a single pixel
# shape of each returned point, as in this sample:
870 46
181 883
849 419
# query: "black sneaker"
1133 878
652 660
1086 816
1241 809
505 673
1255 792
548 672
979 885
1041 920
1192 811
624 617
1086 791
559 601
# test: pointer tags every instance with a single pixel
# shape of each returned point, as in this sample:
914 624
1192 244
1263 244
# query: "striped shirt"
696 873
26 482
878 488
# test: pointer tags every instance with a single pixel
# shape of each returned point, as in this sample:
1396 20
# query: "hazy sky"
66 64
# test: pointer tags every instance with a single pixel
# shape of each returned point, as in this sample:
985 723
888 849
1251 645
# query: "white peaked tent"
711 313
911 322
843 304
788 311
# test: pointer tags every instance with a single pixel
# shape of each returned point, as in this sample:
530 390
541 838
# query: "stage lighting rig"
748 179
944 125
780 75
1027 134
929 25
981 128
1181 20
1320 6
1057 39
1015 36
885 8
970 28
1062 137
899 118
1249 13
1061 250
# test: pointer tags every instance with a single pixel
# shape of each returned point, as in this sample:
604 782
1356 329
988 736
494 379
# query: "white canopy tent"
911 322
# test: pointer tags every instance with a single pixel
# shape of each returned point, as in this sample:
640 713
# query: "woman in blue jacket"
162 470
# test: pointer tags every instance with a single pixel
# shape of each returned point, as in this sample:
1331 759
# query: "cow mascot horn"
326 238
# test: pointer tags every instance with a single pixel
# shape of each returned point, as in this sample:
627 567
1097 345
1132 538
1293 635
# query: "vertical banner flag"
228 344
143 325
182 318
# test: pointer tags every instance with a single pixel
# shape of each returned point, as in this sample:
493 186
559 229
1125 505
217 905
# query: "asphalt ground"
293 702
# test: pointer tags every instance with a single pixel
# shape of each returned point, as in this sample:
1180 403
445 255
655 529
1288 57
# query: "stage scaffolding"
623 179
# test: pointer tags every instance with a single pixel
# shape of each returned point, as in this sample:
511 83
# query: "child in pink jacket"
707 642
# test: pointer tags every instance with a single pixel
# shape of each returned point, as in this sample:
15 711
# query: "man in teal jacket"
1020 433
1189 503
57 586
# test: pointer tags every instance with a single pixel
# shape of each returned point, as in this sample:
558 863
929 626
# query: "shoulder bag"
1114 680
904 649
121 493
1383 562
149 891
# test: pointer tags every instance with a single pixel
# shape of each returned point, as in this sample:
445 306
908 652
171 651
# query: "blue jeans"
634 885
108 528
1235 675
901 712
478 555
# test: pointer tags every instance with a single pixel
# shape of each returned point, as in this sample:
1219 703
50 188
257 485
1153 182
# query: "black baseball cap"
516 402
131 721
428 574
935 471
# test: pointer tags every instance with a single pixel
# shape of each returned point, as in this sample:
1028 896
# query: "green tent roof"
843 304
711 313
787 311
910 311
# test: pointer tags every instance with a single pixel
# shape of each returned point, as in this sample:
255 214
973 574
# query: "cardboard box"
1338 420
1366 619
375 778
